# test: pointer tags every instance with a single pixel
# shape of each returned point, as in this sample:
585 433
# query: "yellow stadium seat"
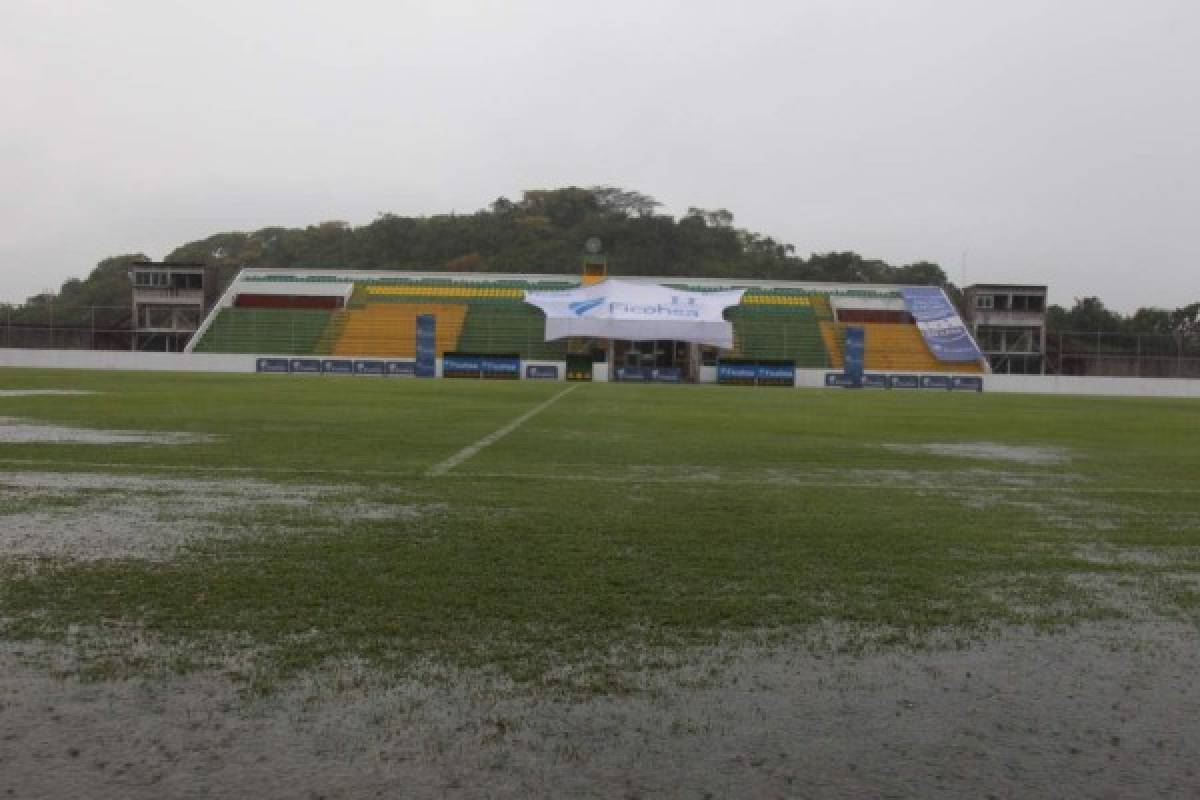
390 329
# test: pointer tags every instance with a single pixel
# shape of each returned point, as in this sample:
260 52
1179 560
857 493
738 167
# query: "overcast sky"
1052 141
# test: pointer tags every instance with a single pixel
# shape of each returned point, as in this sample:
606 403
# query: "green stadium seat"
267 331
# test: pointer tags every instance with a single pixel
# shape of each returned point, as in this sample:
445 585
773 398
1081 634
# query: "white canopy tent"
616 309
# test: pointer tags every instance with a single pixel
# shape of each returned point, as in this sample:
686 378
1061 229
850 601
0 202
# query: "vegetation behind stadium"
543 233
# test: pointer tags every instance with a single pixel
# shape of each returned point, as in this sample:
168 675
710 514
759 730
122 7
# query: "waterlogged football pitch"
489 588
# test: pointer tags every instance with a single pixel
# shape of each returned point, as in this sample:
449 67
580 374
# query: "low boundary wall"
805 378
1072 384
128 360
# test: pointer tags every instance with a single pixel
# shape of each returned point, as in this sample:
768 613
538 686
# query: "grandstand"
373 314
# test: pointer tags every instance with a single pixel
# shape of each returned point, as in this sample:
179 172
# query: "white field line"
467 452
43 392
144 469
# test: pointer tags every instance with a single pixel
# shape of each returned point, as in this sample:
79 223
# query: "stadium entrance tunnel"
659 360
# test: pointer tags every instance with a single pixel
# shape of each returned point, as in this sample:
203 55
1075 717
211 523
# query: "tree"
720 218
1185 325
622 202
922 273
1088 314
1149 320
1187 319
502 206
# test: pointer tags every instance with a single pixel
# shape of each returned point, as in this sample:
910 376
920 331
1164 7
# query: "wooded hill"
543 232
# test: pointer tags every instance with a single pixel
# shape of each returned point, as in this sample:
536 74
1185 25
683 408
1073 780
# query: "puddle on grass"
1107 710
84 516
1112 555
18 431
1058 509
802 475
43 392
642 473
989 451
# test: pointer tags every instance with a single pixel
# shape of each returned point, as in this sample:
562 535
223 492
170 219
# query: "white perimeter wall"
805 378
1069 384
122 360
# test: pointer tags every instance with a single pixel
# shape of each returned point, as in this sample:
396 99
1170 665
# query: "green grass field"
617 522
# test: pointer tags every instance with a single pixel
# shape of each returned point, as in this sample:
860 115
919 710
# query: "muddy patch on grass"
85 516
43 392
1103 710
14 430
989 451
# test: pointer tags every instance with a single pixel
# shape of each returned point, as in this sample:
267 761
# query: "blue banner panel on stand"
633 374
311 366
904 381
855 353
775 374
935 381
370 368
338 366
940 325
455 365
501 367
272 365
666 375
838 379
969 383
545 372
875 381
402 368
426 346
737 373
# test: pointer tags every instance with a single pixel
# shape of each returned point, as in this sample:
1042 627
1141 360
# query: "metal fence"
1066 353
67 328
1135 355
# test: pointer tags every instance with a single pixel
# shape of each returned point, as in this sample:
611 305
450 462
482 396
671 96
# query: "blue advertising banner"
272 365
455 365
875 381
904 381
940 325
337 366
401 368
855 353
311 366
738 373
838 379
632 374
650 374
775 374
666 375
370 367
501 367
426 346
969 383
545 372
935 381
